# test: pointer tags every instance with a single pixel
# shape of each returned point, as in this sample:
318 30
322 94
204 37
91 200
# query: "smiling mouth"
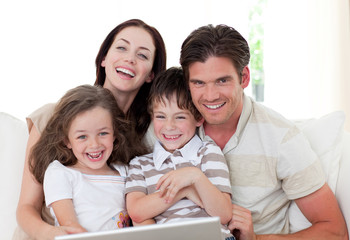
171 137
125 71
214 107
94 156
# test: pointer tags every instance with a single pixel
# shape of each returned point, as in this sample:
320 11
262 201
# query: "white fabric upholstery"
13 140
326 136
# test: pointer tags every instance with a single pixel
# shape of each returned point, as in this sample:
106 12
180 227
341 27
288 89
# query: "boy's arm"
215 202
65 214
142 207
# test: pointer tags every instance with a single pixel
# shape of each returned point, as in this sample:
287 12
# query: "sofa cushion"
325 137
13 139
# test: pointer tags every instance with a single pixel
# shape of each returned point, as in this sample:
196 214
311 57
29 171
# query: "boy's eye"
159 116
181 117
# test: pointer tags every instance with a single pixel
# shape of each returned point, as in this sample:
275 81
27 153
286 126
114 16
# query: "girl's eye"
82 137
103 133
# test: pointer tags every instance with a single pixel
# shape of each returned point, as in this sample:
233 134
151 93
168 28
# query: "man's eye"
222 80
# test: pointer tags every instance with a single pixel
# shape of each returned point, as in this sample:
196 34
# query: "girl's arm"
31 202
142 207
215 202
65 214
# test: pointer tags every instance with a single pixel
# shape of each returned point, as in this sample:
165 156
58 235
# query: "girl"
82 152
129 58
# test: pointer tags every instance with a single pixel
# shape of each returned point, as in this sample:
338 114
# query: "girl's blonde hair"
52 143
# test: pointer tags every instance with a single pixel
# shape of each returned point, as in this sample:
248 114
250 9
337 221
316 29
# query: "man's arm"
320 208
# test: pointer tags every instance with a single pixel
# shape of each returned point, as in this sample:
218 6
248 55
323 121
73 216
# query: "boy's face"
173 126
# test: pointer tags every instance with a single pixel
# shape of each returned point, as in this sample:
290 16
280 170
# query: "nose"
93 142
170 124
130 58
211 93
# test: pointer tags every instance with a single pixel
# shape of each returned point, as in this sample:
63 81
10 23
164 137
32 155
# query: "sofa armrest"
13 140
342 192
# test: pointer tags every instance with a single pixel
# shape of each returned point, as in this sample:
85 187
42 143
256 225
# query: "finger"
171 193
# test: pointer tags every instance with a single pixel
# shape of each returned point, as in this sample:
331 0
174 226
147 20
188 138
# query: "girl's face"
174 127
129 60
91 137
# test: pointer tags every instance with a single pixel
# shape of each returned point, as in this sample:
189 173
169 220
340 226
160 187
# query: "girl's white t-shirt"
99 200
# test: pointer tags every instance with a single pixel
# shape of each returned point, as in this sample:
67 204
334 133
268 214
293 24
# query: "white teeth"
94 155
171 136
123 70
214 106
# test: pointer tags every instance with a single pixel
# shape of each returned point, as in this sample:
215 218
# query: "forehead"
136 36
212 68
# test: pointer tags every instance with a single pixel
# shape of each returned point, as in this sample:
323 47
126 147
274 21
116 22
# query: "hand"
53 231
172 182
241 223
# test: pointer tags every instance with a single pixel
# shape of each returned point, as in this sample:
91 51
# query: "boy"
184 178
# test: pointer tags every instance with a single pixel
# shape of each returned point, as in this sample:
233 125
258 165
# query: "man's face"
216 89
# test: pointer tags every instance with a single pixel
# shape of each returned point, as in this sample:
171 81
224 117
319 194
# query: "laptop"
204 229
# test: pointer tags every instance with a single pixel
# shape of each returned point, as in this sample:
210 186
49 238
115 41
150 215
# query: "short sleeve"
214 166
299 167
58 183
40 117
135 181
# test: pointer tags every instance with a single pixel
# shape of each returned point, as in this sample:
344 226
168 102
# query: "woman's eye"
121 48
143 56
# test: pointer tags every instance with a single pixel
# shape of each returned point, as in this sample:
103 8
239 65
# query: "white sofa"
326 136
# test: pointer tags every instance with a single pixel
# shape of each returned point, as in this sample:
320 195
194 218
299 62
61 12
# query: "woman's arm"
215 202
31 202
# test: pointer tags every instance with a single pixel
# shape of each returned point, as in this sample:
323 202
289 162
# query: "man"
270 161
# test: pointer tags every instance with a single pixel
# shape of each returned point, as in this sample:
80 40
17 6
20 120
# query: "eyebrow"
124 40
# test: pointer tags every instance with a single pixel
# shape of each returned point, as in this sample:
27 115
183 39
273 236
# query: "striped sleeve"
215 167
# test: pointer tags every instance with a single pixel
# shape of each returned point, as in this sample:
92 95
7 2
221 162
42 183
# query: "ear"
245 77
103 63
68 145
200 122
150 77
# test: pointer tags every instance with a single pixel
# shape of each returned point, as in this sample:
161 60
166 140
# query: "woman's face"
129 61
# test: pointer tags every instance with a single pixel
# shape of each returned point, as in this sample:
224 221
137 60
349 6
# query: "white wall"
47 47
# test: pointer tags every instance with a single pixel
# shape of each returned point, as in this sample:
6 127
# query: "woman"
129 58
